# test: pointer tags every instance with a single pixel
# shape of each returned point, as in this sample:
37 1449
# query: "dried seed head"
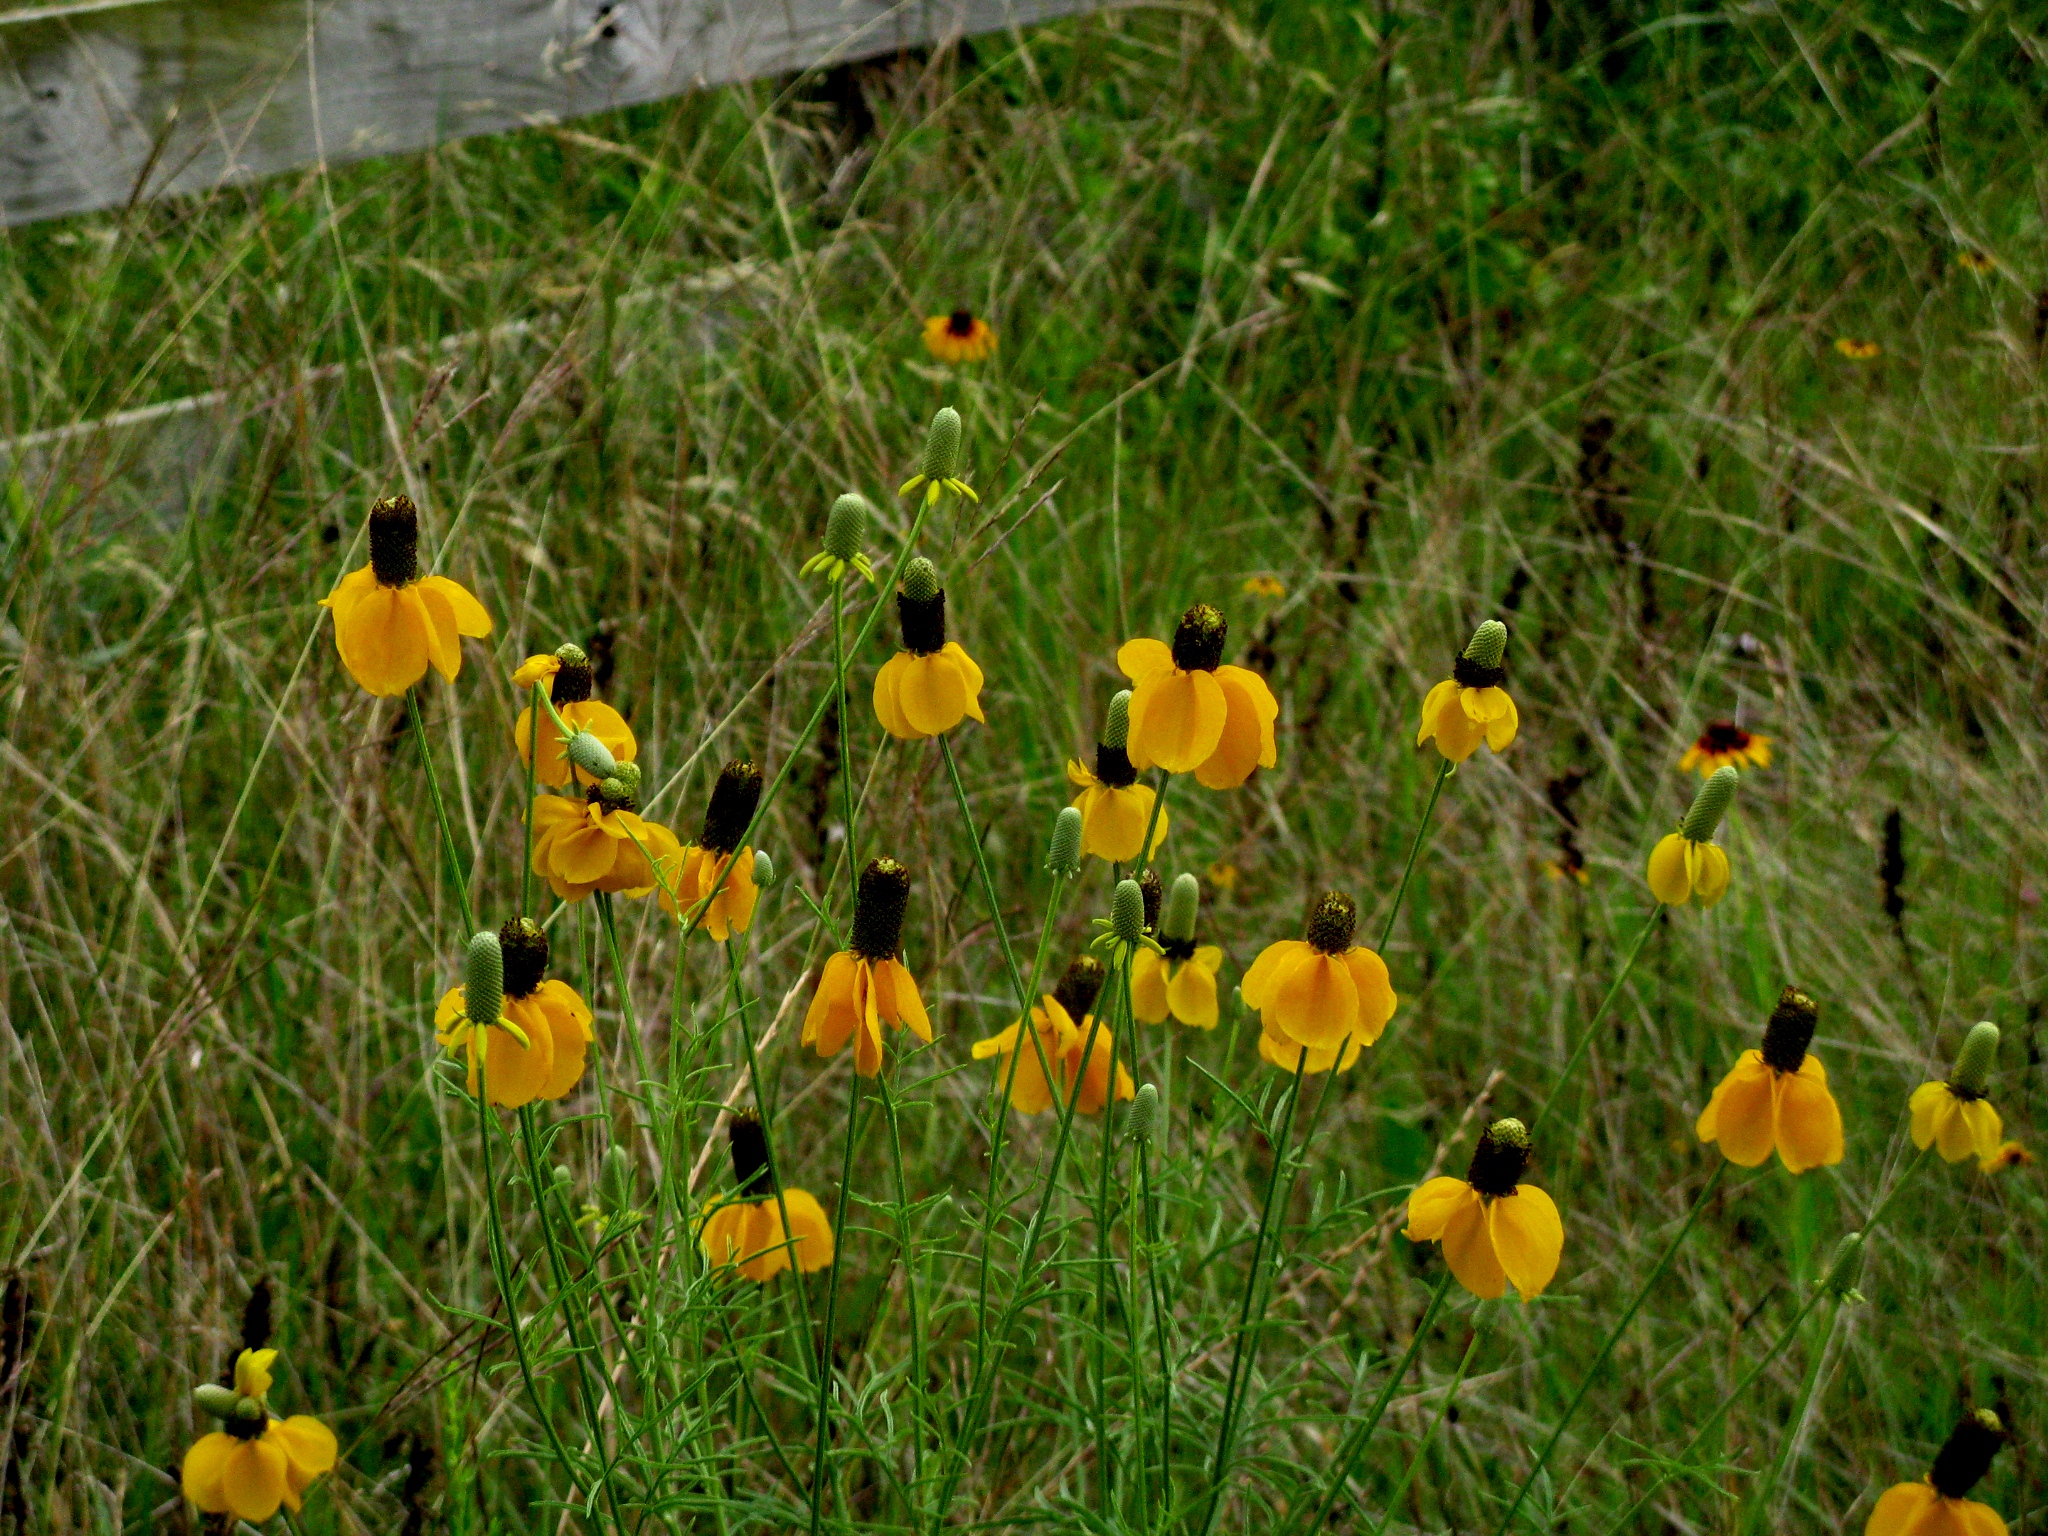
1709 806
878 910
1154 892
395 542
483 980
1500 1159
1080 986
1333 923
1198 639
524 944
734 799
749 1142
1789 1031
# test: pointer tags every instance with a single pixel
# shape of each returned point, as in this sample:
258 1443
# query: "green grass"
1434 314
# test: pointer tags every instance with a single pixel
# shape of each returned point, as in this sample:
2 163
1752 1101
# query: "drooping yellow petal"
722 1233
204 1467
1669 871
1246 741
437 618
309 1447
1176 721
470 617
1433 1204
970 678
252 1480
1149 987
1740 1114
536 669
1900 1508
382 641
1468 1249
900 1002
1433 707
1264 976
1191 992
1809 1121
889 700
1501 730
1141 660
1707 864
1315 1002
1981 1121
811 1230
1376 1000
835 1007
932 694
252 1372
1924 1105
1528 1237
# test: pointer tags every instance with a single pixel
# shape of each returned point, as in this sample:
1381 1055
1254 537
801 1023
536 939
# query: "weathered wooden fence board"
103 102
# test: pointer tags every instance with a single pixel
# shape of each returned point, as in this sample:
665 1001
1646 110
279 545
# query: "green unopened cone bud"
1144 1117
1488 644
1065 857
217 1400
1709 806
591 755
1183 903
765 874
249 1408
846 527
920 580
1845 1268
1127 912
941 460
483 980
1972 1075
1116 727
563 1177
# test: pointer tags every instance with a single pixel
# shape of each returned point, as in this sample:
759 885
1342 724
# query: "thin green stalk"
987 1369
1585 1039
1408 1472
1742 1388
419 736
818 1465
845 731
628 1014
906 1247
1159 789
1253 1289
1760 1496
1361 1437
1104 1258
1150 1215
1613 1337
540 691
988 884
1444 770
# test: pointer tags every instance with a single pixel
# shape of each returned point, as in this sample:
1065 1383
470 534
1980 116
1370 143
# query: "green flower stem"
824 1412
906 1246
1251 1301
1760 1497
1742 1388
988 884
1361 1437
540 692
1159 788
1444 770
628 1015
1614 1334
419 736
1415 1461
1104 1256
988 1368
1585 1039
1151 1220
845 732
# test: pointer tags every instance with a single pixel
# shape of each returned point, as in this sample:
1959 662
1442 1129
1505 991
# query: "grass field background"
1526 311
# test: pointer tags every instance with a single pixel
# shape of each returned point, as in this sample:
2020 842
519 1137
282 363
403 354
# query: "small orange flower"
1323 994
745 1232
1264 586
255 1463
1849 346
390 622
1494 1229
961 337
1937 1507
1978 262
537 1047
598 842
700 869
867 985
1726 745
1075 1044
1777 1097
2010 1154
1191 713
568 675
931 685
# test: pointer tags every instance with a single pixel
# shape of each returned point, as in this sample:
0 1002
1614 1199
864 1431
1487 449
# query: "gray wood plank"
103 102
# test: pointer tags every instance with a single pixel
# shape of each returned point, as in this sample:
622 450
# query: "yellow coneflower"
390 622
1179 981
1323 992
1471 706
254 1463
744 1231
1850 346
1778 1097
2010 1154
568 675
536 1031
599 842
697 871
1115 808
961 337
1978 262
1264 586
1494 1228
1223 876
1955 1117
931 685
1063 1020
867 985
1725 744
1192 714
1688 863
1937 1507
